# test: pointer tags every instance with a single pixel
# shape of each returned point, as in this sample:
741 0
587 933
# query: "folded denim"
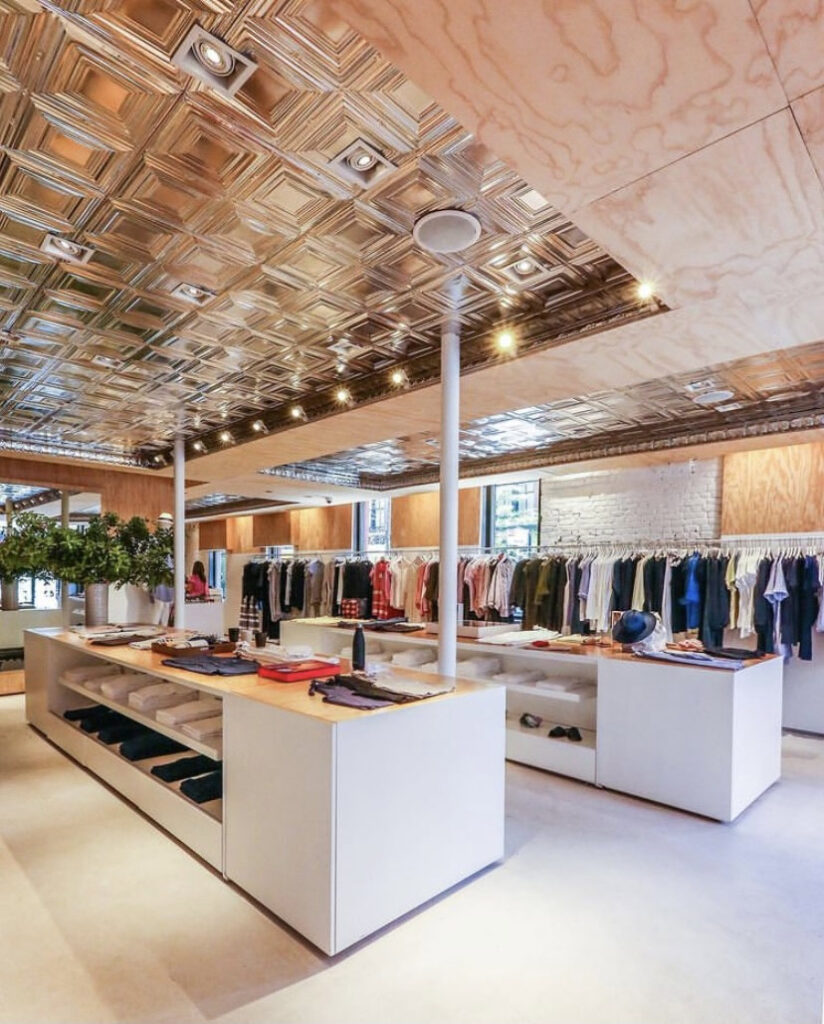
345 696
206 787
211 665
151 745
186 768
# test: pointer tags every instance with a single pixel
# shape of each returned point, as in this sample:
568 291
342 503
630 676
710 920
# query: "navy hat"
633 626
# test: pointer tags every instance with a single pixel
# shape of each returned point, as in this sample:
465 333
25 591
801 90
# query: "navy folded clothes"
81 714
207 787
106 717
212 665
151 745
345 696
185 768
121 731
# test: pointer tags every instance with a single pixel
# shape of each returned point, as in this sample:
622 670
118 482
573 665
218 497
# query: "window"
514 515
377 514
42 595
216 570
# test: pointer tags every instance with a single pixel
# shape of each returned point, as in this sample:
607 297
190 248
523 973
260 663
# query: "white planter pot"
8 596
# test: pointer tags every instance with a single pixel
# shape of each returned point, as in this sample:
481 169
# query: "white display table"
706 740
337 820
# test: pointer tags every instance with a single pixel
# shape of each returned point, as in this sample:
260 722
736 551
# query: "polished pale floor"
607 910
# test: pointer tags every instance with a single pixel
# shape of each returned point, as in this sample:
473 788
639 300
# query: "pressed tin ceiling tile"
103 140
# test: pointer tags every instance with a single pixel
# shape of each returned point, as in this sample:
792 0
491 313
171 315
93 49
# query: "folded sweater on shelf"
82 673
122 686
186 768
205 728
159 695
96 682
517 677
204 788
412 658
191 711
151 744
478 667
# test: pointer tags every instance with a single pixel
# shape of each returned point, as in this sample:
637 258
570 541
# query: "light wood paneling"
12 682
416 519
239 534
319 529
212 535
272 528
126 493
778 490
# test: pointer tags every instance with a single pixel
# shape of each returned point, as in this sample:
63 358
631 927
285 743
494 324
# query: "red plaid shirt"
381 582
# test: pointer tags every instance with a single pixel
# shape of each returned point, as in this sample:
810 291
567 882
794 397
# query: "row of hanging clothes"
774 594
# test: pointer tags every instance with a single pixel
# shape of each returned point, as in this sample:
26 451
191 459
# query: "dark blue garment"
692 593
212 665
808 607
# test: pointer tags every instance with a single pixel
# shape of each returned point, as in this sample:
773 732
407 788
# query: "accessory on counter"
531 721
205 788
290 672
209 665
557 732
151 745
118 640
234 634
572 733
633 626
733 653
260 638
358 650
185 768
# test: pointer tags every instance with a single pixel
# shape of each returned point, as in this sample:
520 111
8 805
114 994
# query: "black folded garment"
106 717
207 787
80 714
733 653
121 731
186 768
153 744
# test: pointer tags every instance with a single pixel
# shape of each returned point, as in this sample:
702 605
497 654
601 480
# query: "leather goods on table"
290 672
171 651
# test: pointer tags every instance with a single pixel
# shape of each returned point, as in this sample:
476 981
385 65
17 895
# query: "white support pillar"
448 575
65 600
180 532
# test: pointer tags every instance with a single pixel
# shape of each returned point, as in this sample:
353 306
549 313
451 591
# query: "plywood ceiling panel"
794 31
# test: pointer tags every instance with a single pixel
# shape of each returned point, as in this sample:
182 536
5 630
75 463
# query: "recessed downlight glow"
225 436
158 458
218 60
343 395
506 341
645 290
257 426
524 266
297 412
199 446
398 378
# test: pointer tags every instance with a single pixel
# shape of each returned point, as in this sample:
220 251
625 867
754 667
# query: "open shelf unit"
213 749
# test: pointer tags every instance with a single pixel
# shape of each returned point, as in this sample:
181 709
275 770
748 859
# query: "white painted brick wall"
668 502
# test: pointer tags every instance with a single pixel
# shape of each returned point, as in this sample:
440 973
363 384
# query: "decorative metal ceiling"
19 492
776 391
224 504
305 277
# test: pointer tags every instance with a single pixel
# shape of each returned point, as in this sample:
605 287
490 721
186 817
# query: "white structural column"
65 600
180 533
448 575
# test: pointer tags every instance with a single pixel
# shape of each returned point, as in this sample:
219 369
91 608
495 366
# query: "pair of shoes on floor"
571 733
531 721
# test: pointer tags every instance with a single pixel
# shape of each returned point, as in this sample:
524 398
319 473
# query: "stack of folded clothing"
159 695
429 666
91 718
151 744
518 676
119 731
186 768
412 658
191 711
479 667
204 728
82 674
121 686
204 788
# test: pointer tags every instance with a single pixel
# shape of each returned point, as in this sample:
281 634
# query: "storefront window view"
515 510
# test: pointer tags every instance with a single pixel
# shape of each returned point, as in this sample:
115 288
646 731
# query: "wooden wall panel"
416 519
127 493
272 528
212 535
239 534
325 528
776 490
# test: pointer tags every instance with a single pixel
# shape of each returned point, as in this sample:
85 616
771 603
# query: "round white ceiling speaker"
447 230
713 397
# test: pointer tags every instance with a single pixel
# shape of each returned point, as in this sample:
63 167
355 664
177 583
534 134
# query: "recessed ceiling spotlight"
398 378
645 290
343 395
445 231
258 426
361 163
192 293
199 446
225 436
66 249
714 397
707 384
297 412
505 341
159 458
212 61
524 270
524 266
224 414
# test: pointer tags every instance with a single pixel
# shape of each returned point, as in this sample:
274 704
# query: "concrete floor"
606 910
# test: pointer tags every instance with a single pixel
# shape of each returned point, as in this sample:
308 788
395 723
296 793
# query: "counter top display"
705 739
337 819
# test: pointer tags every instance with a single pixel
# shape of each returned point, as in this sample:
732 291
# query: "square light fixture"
212 61
697 386
66 249
525 270
192 293
361 163
531 200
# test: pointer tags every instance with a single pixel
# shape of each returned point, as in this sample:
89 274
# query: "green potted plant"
25 551
95 557
150 553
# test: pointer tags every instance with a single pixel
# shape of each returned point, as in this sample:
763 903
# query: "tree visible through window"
515 515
